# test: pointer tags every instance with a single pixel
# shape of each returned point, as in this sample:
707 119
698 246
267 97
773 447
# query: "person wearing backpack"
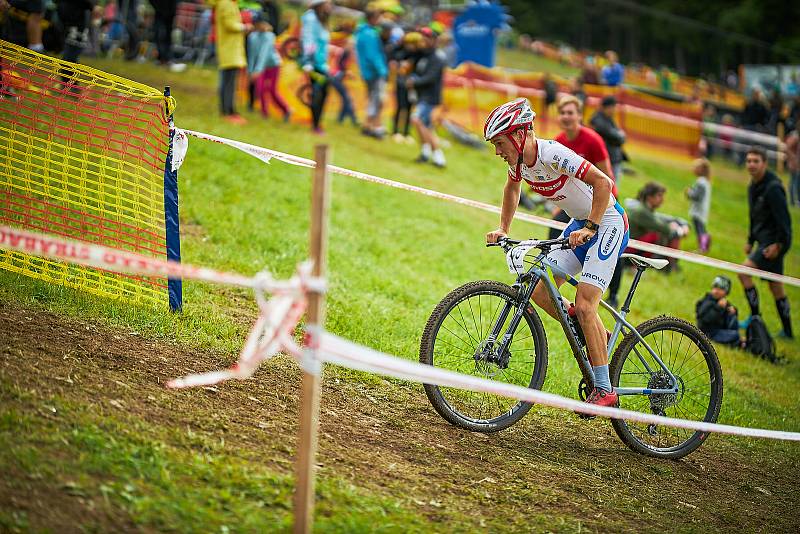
770 232
717 317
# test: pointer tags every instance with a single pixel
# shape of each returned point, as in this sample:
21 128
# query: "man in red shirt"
580 139
589 145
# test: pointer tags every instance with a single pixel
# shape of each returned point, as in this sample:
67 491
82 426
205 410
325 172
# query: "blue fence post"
171 221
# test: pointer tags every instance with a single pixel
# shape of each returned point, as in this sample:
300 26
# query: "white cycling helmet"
508 118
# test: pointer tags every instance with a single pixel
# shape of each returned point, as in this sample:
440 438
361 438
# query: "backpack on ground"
759 341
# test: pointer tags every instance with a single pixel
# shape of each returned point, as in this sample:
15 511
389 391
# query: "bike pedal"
586 416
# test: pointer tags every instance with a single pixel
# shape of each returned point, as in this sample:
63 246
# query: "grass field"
87 428
512 58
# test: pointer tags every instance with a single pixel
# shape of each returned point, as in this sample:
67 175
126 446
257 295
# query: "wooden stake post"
310 388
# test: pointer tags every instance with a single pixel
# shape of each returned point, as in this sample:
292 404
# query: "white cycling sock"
438 157
601 379
426 150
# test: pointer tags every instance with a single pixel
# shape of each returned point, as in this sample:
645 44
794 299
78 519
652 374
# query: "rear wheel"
455 338
691 358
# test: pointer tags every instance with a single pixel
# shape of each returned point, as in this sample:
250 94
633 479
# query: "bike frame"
538 272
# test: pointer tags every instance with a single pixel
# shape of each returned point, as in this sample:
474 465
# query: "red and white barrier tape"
740 134
265 154
344 353
121 261
278 318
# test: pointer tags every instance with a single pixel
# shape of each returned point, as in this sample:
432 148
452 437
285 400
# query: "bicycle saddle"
641 261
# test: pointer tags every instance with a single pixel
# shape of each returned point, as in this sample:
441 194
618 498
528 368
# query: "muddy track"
383 437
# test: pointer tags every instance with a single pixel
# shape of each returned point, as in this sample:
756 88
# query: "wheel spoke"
457 343
689 359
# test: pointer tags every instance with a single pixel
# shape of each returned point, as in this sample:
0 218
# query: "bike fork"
512 327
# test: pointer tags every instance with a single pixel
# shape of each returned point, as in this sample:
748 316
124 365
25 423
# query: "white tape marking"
347 354
279 317
633 243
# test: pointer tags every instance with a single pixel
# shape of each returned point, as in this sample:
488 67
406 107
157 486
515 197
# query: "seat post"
626 307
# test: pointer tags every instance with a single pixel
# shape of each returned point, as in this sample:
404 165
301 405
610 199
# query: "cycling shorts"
596 259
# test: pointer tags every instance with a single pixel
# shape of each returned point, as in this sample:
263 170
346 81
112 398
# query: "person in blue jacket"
315 37
374 71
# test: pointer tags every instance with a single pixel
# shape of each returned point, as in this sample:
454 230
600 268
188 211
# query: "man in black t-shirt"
770 234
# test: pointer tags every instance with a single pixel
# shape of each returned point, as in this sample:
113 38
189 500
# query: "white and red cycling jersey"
558 175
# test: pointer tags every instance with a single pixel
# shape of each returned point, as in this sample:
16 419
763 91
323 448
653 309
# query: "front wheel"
691 358
456 338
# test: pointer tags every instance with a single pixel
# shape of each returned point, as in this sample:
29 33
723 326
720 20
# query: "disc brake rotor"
487 362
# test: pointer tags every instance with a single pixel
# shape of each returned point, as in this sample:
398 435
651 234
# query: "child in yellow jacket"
230 34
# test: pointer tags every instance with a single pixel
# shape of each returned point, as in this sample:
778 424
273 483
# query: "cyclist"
597 231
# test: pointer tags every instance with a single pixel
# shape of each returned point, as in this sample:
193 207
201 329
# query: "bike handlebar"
544 244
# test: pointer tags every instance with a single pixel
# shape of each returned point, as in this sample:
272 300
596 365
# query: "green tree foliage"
694 37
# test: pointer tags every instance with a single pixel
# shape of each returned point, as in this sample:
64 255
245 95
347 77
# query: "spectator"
550 91
613 73
706 145
131 22
793 118
726 139
315 38
264 66
340 62
665 79
74 17
271 11
450 49
717 317
793 164
651 227
229 31
775 112
589 74
162 28
405 57
700 197
589 145
581 139
22 24
374 71
732 80
793 87
603 123
770 231
755 115
392 17
578 91
426 81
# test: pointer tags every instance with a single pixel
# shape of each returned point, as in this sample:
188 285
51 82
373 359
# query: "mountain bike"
489 329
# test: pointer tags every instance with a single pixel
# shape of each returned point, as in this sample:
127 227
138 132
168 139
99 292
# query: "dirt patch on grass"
383 437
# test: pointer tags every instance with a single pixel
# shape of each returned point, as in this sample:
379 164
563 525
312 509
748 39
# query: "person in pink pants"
264 67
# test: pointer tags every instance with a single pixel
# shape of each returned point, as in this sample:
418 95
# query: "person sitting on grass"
652 227
717 317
